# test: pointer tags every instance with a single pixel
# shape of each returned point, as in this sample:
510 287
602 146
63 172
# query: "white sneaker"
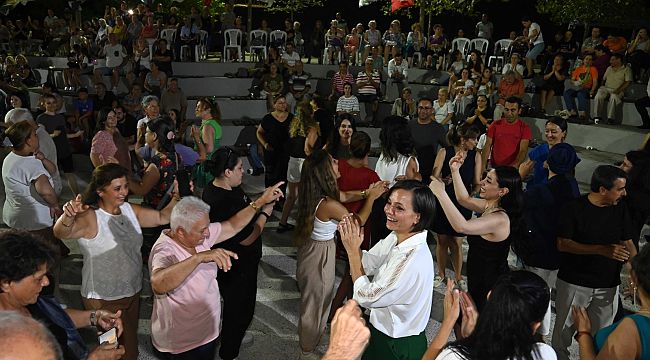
438 281
462 284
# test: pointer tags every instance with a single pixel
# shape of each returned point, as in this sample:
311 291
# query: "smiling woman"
401 291
108 232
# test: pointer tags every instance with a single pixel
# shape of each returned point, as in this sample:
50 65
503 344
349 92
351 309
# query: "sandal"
284 228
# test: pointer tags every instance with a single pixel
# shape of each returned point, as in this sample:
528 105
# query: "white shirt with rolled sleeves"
401 292
401 68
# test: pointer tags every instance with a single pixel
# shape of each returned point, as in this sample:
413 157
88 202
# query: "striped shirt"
349 105
367 89
339 81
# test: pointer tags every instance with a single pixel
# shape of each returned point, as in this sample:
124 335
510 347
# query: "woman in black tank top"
500 202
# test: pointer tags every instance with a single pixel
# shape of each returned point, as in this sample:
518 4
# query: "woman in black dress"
500 203
463 139
238 286
273 136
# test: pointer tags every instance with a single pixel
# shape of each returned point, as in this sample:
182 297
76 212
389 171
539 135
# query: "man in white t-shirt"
115 60
398 74
289 58
535 41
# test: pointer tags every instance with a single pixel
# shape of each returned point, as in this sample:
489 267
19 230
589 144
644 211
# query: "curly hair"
102 176
303 120
22 253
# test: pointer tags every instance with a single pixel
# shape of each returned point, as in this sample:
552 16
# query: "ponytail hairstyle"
164 130
102 176
223 159
211 103
464 131
18 134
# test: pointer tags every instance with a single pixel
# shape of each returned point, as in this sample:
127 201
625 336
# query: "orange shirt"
586 76
617 45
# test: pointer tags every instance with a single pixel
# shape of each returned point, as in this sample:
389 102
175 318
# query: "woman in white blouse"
401 291
443 110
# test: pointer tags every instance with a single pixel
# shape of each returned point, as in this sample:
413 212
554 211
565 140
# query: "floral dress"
167 170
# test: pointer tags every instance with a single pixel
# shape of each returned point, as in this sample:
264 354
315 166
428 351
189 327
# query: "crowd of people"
461 167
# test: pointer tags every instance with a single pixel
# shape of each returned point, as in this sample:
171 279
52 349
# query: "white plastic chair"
278 37
169 35
255 50
461 44
501 48
232 40
480 45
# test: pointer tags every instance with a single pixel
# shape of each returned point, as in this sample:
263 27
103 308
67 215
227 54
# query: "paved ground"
274 327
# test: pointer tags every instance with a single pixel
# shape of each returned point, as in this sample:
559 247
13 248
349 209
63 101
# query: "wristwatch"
93 318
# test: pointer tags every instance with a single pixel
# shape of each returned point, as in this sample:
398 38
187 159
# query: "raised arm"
463 197
236 223
149 180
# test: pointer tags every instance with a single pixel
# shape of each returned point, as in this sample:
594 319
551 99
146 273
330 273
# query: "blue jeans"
583 99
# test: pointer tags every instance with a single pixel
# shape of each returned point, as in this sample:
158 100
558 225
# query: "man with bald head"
24 338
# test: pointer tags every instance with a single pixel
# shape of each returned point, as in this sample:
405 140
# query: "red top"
356 179
506 138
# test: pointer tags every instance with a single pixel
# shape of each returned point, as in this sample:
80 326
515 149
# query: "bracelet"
265 214
93 318
364 194
254 206
64 225
579 333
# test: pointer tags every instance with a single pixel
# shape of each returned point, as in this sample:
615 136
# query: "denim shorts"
534 52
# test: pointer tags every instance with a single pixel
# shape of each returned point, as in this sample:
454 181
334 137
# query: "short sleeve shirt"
188 316
506 139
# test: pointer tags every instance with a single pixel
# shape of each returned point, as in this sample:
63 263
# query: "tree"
617 13
433 8
293 6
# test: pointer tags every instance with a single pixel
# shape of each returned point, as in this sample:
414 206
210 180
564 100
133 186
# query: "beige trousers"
315 274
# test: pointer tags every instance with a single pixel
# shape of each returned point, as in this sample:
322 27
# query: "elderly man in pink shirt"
186 317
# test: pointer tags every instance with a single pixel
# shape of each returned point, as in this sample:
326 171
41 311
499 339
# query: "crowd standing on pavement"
459 167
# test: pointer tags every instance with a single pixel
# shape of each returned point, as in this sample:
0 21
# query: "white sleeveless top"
388 171
323 230
112 266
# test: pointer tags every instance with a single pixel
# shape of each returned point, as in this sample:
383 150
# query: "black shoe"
644 127
284 228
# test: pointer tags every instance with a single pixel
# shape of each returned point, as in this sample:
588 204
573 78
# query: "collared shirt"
615 77
401 292
340 80
401 68
188 316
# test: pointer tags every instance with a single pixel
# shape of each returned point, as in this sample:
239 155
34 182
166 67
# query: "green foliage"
435 7
293 6
602 12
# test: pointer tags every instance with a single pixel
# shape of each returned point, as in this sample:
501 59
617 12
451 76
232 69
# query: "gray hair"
147 99
187 212
17 115
14 326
